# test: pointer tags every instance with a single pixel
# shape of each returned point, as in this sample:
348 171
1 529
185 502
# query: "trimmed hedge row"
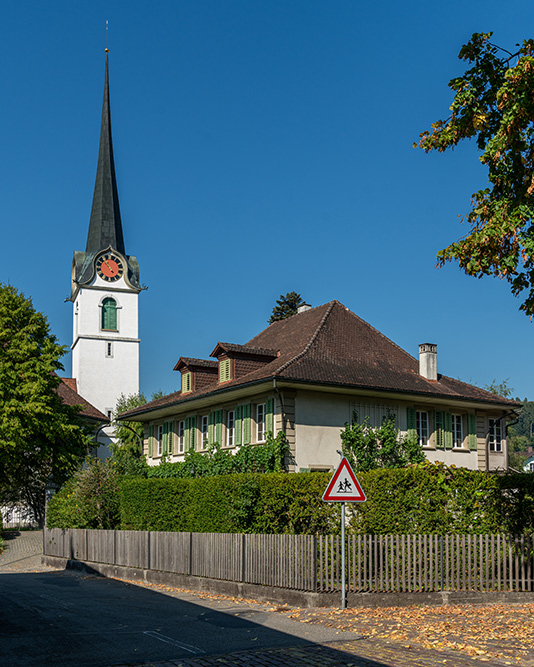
427 498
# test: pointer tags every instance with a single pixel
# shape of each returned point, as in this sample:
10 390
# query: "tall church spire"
105 227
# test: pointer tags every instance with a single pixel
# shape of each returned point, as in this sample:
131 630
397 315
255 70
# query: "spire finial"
107 30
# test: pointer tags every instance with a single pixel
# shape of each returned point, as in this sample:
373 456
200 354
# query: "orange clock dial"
109 267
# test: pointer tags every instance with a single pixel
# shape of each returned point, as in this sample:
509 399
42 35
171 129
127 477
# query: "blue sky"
261 146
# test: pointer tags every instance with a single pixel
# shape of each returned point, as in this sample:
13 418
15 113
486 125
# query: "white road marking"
170 640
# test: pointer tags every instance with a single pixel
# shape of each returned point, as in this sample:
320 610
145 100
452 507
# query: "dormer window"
186 383
224 370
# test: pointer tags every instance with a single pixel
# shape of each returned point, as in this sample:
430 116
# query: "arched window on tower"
109 314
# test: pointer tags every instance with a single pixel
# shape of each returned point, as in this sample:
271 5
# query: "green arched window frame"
109 314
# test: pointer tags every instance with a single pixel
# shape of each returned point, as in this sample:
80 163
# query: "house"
307 375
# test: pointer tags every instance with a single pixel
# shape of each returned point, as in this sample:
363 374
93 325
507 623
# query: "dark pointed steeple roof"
105 227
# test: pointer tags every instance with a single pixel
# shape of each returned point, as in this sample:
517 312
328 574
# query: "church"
104 292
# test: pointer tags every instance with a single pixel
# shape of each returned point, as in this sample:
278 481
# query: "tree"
494 104
128 448
499 388
367 448
286 306
41 438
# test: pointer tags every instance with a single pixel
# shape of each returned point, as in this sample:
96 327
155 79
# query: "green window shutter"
269 415
238 424
411 425
164 439
472 430
150 440
109 314
193 436
447 430
224 370
186 383
438 429
211 427
246 424
170 437
218 427
187 434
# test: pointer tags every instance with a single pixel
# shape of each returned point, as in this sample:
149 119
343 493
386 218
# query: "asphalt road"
63 618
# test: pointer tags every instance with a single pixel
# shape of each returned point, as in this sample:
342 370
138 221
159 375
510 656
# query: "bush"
251 503
426 498
90 499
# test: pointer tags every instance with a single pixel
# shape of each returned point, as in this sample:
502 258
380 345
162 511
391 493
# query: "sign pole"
343 586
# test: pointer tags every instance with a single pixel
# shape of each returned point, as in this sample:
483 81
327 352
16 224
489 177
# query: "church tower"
105 290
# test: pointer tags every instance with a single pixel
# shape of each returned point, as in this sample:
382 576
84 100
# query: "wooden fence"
374 563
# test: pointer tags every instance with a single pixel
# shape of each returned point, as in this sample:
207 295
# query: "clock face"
109 267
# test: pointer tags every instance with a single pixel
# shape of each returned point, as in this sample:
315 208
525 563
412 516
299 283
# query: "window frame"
495 436
181 436
107 301
261 422
424 440
457 420
229 439
159 439
204 431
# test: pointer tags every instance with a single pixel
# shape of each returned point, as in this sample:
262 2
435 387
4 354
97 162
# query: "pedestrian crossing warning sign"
344 486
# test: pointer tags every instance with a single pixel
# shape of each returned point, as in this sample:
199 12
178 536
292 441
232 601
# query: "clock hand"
107 264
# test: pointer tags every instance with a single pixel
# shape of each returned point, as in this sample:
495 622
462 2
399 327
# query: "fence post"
315 573
441 562
243 557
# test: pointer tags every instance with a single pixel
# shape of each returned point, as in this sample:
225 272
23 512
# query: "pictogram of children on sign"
345 486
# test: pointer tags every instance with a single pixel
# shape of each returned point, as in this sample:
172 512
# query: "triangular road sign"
344 486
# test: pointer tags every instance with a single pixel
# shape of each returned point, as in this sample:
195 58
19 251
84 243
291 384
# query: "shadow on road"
63 619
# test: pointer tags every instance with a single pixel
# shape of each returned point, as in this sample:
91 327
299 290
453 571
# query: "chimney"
303 307
428 361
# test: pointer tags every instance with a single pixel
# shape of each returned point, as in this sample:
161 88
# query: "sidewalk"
23 551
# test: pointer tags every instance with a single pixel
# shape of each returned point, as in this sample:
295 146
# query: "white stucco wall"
102 378
320 417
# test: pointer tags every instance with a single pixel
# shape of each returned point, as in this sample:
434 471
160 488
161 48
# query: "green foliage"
129 434
286 306
494 104
90 499
41 437
367 448
253 503
425 498
267 457
499 388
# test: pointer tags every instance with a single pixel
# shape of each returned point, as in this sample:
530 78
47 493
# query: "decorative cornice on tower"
105 227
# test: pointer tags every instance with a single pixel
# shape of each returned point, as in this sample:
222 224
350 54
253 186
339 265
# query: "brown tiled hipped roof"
330 345
68 394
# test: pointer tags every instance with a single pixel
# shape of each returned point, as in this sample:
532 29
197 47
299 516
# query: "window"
230 428
204 423
109 349
160 439
531 467
181 437
457 431
495 435
224 370
109 314
260 422
186 383
421 426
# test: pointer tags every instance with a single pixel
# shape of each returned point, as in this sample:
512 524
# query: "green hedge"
252 503
427 498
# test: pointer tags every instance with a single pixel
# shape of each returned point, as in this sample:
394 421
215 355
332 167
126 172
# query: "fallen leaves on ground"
486 631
